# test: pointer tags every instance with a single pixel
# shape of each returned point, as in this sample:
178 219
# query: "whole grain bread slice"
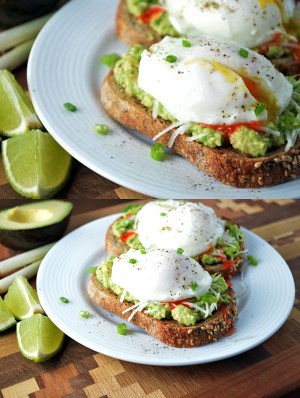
169 332
114 247
225 164
130 31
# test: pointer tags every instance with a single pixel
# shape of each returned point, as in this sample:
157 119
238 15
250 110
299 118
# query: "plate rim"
144 360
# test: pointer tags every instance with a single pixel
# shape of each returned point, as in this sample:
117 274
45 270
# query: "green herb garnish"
143 251
163 214
64 300
84 314
244 53
157 152
194 286
259 108
122 329
252 260
92 270
179 250
133 261
109 60
171 58
186 43
101 129
70 107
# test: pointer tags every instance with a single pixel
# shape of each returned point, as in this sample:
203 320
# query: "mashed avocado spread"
227 248
244 139
159 23
181 313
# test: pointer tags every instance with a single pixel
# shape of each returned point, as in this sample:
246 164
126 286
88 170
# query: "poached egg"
249 23
211 82
160 275
174 224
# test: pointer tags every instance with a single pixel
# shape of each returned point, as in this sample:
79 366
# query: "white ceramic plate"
265 299
64 67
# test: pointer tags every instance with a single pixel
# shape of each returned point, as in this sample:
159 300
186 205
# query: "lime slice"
35 165
38 338
17 114
6 317
21 299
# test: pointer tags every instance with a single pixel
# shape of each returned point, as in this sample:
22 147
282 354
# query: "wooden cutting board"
269 370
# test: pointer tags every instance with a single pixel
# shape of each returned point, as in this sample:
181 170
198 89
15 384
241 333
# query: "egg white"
160 275
206 83
248 22
172 224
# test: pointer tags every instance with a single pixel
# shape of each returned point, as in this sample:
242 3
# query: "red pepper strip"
276 39
128 215
227 265
123 238
296 53
229 283
150 14
173 304
230 128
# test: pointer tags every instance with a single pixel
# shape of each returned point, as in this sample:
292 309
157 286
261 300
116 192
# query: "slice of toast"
169 331
130 31
114 247
225 164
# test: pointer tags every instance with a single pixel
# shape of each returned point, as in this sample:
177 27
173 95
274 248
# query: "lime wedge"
35 165
17 114
6 317
38 338
21 299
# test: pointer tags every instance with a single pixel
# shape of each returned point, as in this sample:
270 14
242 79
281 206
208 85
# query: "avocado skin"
14 12
27 239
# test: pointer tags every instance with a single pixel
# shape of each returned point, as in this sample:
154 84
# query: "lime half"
21 299
35 165
17 114
38 338
6 317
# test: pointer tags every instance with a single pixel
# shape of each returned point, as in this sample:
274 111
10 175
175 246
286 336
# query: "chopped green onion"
84 314
244 53
70 107
179 250
122 329
133 261
157 152
132 209
171 58
252 260
64 300
186 43
163 214
92 270
101 129
259 108
143 251
194 286
109 60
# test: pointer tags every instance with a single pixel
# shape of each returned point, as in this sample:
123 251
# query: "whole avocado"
14 12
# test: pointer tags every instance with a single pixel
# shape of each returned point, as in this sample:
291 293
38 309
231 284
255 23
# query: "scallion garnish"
122 329
64 300
143 251
171 58
179 250
194 286
92 270
186 43
157 152
244 53
109 60
84 314
252 260
133 261
101 129
259 108
70 107
163 214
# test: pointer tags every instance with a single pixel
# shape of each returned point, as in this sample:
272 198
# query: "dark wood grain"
268 370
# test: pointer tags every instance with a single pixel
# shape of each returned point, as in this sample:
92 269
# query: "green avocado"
34 224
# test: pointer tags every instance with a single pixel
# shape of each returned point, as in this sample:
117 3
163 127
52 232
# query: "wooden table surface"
84 183
269 370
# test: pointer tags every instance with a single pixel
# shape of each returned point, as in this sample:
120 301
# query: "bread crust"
169 332
114 247
225 164
130 32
